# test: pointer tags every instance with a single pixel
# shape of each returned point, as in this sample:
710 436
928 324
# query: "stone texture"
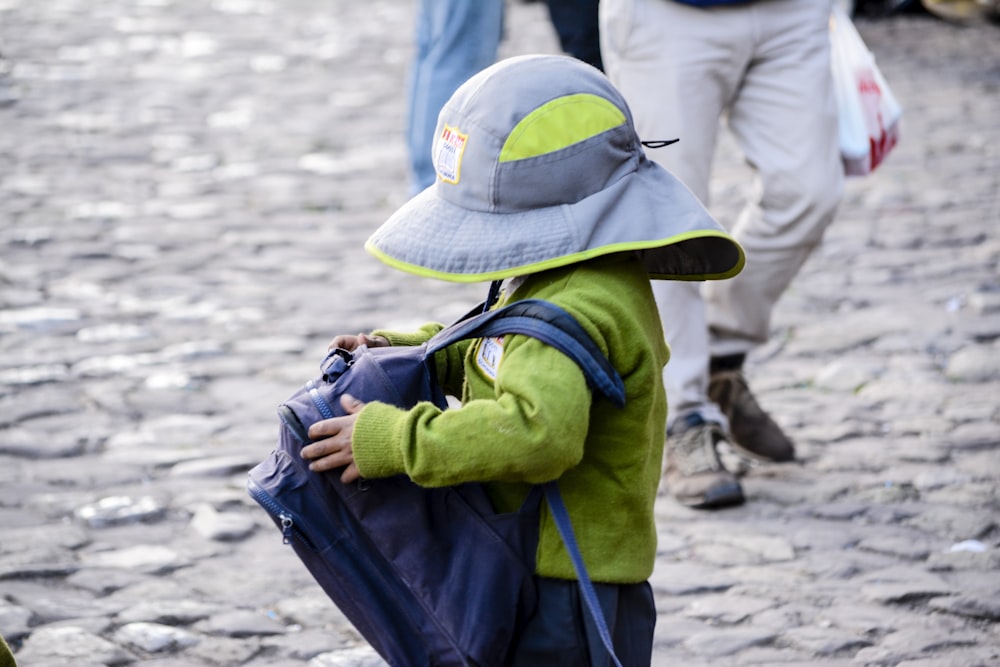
185 190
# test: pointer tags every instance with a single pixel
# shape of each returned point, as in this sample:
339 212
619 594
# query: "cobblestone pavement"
185 186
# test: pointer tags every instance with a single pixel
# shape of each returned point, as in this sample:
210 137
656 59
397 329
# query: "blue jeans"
455 39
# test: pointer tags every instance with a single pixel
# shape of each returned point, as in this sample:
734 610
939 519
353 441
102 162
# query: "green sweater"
537 421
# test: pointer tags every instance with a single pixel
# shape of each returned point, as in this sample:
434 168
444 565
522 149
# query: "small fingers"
351 404
343 341
324 428
372 341
351 473
317 449
351 343
331 462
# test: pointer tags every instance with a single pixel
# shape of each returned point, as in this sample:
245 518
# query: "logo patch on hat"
448 161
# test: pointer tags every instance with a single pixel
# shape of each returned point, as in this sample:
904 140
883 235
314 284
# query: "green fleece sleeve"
529 425
377 427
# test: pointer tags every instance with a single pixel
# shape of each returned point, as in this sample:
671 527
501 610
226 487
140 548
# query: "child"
543 182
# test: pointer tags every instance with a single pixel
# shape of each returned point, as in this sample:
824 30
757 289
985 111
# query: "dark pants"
561 632
575 22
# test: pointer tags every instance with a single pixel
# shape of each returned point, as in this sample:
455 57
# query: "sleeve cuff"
373 441
418 337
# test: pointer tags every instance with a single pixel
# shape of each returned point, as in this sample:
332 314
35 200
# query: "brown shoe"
752 431
693 474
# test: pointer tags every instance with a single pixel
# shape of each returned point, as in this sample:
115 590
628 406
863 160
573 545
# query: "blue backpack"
428 576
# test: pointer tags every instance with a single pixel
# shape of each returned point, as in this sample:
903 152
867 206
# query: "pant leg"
678 68
562 634
575 22
554 636
630 611
785 121
455 39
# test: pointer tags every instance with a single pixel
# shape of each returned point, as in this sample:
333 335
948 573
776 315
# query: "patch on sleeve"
488 356
448 161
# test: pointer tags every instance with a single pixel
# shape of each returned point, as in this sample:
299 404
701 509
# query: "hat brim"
648 211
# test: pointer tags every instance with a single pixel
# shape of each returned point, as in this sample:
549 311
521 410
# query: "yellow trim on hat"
574 258
560 123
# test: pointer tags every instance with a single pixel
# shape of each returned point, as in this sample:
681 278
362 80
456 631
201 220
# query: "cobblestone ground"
184 190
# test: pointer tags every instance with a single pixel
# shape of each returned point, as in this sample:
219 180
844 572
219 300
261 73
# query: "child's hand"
332 442
350 343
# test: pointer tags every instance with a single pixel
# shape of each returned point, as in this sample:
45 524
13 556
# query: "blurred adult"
764 67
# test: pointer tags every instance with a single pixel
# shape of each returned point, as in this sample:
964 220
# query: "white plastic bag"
868 112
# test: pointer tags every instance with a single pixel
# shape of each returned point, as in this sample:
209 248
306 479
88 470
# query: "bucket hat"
539 166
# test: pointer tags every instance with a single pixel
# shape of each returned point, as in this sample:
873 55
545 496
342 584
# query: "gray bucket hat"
539 166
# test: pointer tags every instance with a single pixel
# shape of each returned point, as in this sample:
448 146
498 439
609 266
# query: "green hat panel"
560 123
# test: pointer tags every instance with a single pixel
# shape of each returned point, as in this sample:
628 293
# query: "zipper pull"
286 528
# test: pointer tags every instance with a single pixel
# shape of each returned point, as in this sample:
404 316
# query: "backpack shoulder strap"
548 323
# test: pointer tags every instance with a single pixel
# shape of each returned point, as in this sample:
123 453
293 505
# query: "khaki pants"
765 67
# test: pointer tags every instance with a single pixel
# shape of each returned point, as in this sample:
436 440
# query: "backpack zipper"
285 518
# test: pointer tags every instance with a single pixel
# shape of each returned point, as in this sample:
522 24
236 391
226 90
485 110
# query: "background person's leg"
454 40
576 26
785 122
678 68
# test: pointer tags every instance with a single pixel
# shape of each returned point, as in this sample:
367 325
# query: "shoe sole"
729 495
